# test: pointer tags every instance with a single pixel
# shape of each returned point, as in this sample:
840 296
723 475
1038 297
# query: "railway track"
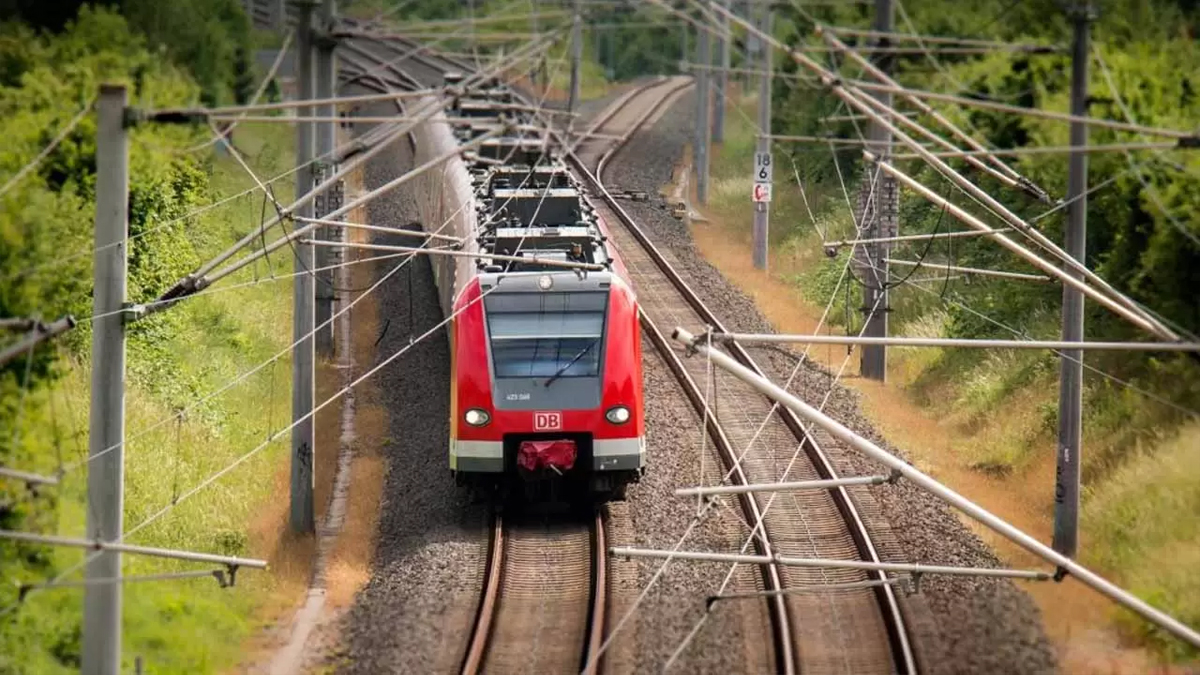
858 631
542 609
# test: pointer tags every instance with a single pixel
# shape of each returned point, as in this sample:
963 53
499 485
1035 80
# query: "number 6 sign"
763 169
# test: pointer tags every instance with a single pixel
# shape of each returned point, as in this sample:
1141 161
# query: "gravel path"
978 625
414 613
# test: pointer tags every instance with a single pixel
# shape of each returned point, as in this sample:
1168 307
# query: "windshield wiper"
571 362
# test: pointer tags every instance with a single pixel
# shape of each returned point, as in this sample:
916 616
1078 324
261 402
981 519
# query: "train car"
546 363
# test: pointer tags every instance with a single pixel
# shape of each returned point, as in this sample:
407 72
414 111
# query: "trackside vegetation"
1140 521
179 432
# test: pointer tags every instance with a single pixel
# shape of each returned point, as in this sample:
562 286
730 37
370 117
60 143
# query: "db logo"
547 421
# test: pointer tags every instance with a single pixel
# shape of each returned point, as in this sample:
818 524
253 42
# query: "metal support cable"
118 546
288 349
855 98
27 477
927 109
39 333
932 39
201 282
1146 185
947 495
340 154
190 283
1161 132
262 87
59 138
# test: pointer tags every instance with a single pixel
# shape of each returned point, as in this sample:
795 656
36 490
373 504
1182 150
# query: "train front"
548 385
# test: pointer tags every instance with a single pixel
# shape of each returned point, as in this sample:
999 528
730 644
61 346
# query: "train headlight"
545 282
617 414
476 417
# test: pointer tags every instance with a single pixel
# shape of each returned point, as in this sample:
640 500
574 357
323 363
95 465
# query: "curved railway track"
857 631
528 618
543 604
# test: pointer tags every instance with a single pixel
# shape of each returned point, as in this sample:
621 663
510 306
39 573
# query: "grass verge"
192 625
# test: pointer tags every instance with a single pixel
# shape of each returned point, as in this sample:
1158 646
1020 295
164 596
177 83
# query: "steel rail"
598 613
482 629
902 649
780 618
487 611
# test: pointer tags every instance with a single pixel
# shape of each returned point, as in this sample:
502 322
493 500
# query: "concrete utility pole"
576 55
303 310
879 204
1070 392
763 166
723 58
106 424
326 133
703 105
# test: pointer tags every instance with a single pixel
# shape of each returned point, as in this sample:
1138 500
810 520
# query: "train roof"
528 203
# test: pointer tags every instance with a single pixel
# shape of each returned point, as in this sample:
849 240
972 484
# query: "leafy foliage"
1143 234
46 223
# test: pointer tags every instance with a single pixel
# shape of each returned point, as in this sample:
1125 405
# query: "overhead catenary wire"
1129 309
1150 189
1051 150
232 111
340 154
932 39
1051 269
1024 335
1186 137
970 270
978 343
199 283
188 284
999 169
283 352
54 142
262 87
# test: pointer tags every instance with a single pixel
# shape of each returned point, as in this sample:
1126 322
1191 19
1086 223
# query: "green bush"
46 241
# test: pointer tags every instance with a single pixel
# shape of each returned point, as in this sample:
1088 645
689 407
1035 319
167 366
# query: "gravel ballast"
415 612
981 625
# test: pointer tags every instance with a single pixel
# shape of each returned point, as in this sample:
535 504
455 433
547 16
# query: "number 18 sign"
763 176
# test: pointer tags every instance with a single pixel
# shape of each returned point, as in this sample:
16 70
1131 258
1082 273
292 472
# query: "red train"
547 390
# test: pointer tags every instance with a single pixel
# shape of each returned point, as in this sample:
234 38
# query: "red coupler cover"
534 455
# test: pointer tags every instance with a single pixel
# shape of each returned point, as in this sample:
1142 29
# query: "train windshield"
535 335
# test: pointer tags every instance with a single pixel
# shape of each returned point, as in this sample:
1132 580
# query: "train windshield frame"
547 334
